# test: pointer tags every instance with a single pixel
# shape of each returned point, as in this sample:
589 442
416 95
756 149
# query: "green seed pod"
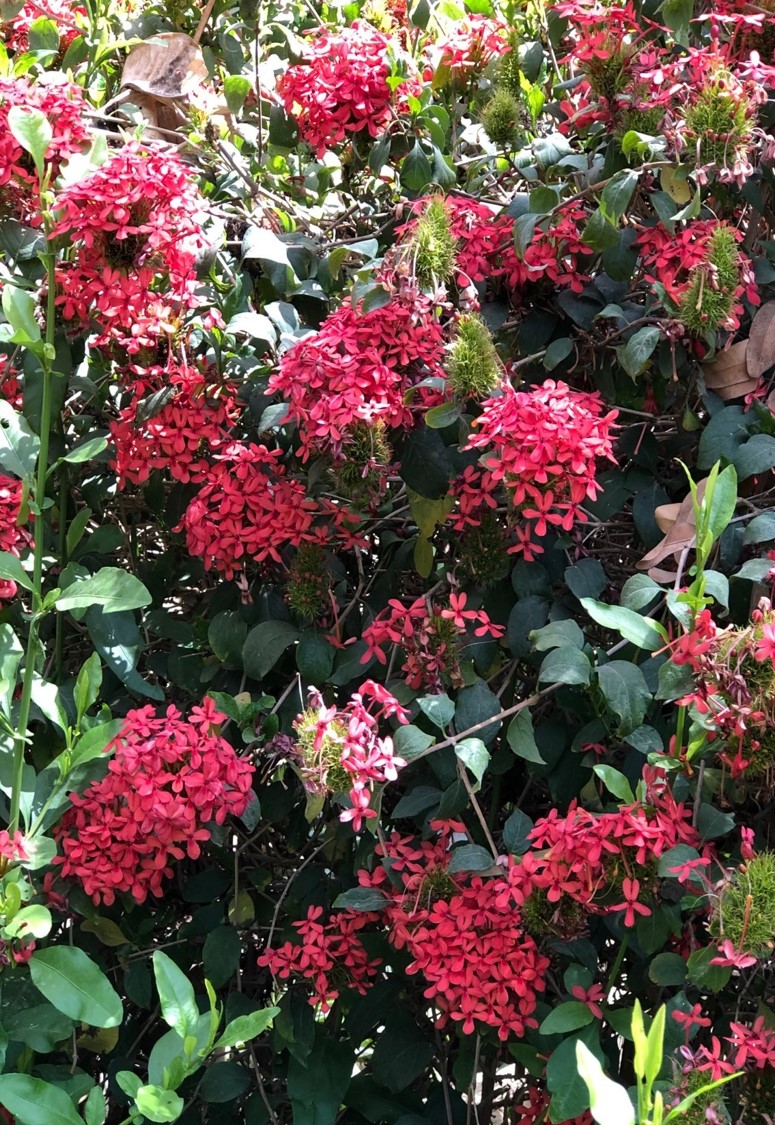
473 368
509 71
432 246
708 301
500 118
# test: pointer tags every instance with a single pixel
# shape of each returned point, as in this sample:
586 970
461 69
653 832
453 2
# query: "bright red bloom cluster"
463 934
169 777
605 861
193 421
486 250
342 85
136 227
543 445
12 537
249 509
466 49
341 747
357 368
62 103
751 1048
431 638
672 261
330 956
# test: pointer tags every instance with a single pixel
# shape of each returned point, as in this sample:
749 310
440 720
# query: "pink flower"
765 647
732 957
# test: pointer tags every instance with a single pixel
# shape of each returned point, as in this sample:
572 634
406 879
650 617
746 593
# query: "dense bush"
387 670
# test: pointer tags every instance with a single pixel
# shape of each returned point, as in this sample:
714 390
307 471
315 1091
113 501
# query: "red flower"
169 777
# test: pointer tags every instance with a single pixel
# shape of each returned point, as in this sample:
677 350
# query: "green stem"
37 569
617 964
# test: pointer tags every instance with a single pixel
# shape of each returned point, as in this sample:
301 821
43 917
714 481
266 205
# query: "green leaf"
616 195
565 666
32 130
703 974
76 986
475 704
634 356
88 684
36 1102
445 415
470 857
586 579
557 351
362 899
761 529
243 1029
424 554
13 571
314 657
18 444
265 644
31 921
425 463
439 708
221 955
756 456
158 1104
473 753
176 995
112 588
95 1108
609 1102
558 634
409 741
235 88
626 693
402 1052
712 822
226 636
11 653
723 501
521 738
43 35
566 1017
86 450
416 170
615 782
515 833
668 970
640 631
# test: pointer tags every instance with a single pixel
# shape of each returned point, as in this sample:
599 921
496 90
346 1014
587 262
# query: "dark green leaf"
626 693
566 1017
361 898
35 1102
265 644
565 666
221 955
111 588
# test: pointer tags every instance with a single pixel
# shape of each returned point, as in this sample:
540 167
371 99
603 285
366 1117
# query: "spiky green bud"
708 301
500 118
745 913
508 74
473 368
433 246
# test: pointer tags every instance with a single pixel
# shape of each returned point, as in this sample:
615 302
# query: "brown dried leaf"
168 67
666 515
680 534
728 375
761 342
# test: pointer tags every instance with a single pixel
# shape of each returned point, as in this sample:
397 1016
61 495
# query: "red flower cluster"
62 12
604 862
357 368
751 1048
169 777
463 934
11 848
431 638
674 261
330 957
733 693
249 509
340 748
466 49
542 445
486 251
192 422
12 537
342 86
136 228
62 103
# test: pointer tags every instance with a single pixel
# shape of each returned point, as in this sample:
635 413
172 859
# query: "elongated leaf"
176 995
36 1102
76 986
244 1028
640 631
112 588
